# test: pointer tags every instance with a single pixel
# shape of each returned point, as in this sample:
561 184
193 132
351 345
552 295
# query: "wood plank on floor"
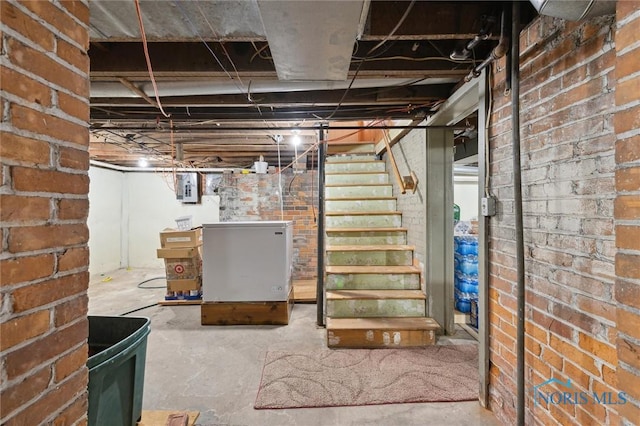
179 302
304 291
159 417
247 313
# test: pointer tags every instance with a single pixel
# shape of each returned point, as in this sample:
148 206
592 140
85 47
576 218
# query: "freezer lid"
250 224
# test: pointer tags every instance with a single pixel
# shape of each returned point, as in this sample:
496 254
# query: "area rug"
334 378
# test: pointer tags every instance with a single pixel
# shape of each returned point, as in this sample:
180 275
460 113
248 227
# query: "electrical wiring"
195 31
224 49
258 51
362 61
144 148
138 309
393 31
148 59
152 279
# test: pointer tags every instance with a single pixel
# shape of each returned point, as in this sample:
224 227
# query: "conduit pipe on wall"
517 198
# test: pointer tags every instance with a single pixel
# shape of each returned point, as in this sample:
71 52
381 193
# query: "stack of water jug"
466 271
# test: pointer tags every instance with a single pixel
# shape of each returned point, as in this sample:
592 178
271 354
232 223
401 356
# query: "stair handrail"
408 182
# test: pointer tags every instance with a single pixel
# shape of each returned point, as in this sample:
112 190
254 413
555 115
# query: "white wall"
152 207
128 211
465 195
105 219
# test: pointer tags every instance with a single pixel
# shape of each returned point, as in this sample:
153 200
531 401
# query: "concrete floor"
217 370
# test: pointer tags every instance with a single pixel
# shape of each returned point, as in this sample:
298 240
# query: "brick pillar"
627 206
44 160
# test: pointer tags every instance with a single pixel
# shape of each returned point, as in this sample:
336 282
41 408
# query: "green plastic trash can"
117 354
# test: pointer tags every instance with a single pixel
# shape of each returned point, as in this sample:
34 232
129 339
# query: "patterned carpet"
333 378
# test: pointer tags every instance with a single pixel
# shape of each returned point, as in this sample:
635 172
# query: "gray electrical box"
488 206
187 187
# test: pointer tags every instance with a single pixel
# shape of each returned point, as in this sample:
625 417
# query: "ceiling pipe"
498 52
115 167
484 34
103 89
574 10
274 130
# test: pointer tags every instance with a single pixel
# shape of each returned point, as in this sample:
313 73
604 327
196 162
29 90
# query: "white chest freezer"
247 261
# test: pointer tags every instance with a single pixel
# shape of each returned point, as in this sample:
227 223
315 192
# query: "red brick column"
43 194
627 205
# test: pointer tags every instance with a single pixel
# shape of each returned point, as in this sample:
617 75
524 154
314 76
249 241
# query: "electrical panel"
187 187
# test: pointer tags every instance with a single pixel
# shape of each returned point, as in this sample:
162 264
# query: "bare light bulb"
142 162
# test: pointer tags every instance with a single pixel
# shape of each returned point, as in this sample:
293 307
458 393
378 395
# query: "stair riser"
363 221
368 238
368 258
360 205
380 338
373 282
375 308
343 167
360 148
350 157
356 178
358 191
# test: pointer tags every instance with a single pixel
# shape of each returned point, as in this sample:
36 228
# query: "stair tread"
358 213
374 269
374 198
328 230
359 172
374 294
357 161
369 247
340 185
387 323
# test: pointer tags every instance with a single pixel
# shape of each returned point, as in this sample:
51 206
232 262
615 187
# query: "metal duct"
311 40
574 10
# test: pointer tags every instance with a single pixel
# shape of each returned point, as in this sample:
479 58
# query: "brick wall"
627 206
255 197
43 194
568 84
410 156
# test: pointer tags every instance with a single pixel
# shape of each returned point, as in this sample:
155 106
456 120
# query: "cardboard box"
184 285
183 268
170 238
178 253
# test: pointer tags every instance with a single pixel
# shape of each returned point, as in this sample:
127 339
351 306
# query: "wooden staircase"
374 296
